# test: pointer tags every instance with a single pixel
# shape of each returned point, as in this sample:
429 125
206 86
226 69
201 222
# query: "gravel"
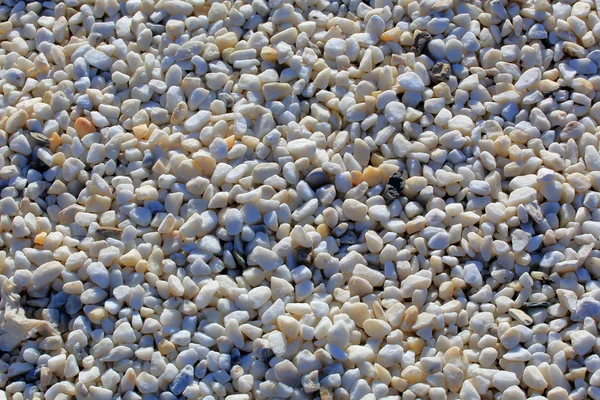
326 199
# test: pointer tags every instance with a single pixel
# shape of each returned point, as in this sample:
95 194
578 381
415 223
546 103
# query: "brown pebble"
440 72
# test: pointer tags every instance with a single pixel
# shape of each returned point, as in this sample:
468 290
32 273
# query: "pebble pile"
299 199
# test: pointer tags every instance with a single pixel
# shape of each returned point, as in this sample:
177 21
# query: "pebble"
582 341
264 258
533 378
354 209
99 274
393 187
267 199
528 79
502 380
420 42
98 59
440 72
46 273
395 112
146 383
411 82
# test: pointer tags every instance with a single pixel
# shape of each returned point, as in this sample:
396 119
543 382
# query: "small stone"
197 121
517 354
533 378
393 188
103 233
472 276
454 50
310 382
84 127
303 256
354 210
528 79
264 258
182 380
146 383
440 72
99 274
586 307
520 316
16 121
334 48
502 380
276 91
582 341
395 112
302 148
439 241
317 178
420 43
239 259
376 328
39 138
233 221
411 82
98 59
46 273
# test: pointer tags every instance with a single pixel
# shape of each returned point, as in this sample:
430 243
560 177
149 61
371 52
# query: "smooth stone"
582 341
395 112
46 273
264 258
99 274
529 78
411 82
354 210
98 59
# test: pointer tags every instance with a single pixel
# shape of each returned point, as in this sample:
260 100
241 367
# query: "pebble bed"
299 199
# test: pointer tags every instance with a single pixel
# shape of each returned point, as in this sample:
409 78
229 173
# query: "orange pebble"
54 142
84 126
372 176
230 140
356 177
40 238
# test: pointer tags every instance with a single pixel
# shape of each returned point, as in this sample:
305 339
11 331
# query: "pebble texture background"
303 199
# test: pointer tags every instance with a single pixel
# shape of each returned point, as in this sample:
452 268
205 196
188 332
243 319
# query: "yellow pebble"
40 238
230 140
372 176
97 315
356 177
165 347
323 230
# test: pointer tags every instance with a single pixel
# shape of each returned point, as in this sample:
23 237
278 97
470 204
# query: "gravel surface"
299 199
